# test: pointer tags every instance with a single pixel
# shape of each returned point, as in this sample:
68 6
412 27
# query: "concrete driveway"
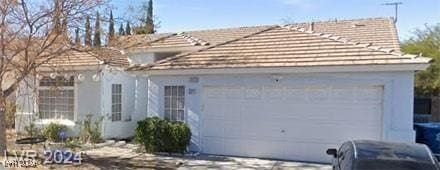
222 162
125 156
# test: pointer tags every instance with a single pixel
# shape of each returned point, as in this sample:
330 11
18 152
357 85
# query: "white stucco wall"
87 99
141 58
134 103
93 97
397 107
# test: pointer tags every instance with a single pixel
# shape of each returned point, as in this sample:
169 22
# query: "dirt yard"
121 155
117 155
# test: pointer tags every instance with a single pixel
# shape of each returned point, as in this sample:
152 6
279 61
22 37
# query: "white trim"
310 69
170 103
118 93
75 97
387 108
69 68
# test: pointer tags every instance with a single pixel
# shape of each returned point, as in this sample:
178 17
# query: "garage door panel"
343 95
219 128
345 114
308 151
326 132
258 148
273 93
253 93
233 93
296 94
318 94
370 94
253 110
289 122
218 111
208 129
353 134
262 131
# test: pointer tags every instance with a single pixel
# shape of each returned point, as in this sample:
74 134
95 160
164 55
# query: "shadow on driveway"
224 162
123 157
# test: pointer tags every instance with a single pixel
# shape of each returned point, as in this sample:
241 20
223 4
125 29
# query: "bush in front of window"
52 131
158 135
91 130
32 130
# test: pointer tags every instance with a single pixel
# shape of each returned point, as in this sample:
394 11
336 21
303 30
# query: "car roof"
393 151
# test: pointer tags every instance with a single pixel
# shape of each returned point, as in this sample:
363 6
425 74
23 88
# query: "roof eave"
67 68
300 69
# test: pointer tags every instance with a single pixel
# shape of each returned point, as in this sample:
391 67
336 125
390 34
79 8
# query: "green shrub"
158 135
32 130
91 130
52 131
73 143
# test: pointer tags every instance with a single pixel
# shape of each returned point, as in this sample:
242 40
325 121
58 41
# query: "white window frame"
75 98
116 115
168 99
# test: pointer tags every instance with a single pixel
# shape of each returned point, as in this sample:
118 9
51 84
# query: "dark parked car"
378 155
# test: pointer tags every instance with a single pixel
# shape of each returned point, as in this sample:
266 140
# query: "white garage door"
288 122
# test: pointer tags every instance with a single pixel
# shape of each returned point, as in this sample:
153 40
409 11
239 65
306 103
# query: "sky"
185 15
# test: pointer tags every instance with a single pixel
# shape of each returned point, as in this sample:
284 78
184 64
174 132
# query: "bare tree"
31 34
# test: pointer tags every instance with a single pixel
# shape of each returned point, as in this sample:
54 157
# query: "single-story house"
283 92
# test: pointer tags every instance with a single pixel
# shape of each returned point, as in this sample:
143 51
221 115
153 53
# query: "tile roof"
186 39
139 41
216 36
112 56
378 31
73 58
293 46
345 42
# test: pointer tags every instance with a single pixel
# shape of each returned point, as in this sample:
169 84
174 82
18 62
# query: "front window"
116 102
175 103
56 98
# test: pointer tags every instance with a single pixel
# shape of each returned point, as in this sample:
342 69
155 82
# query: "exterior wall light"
53 75
81 77
96 77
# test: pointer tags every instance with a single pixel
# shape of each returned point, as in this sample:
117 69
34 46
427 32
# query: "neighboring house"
285 92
